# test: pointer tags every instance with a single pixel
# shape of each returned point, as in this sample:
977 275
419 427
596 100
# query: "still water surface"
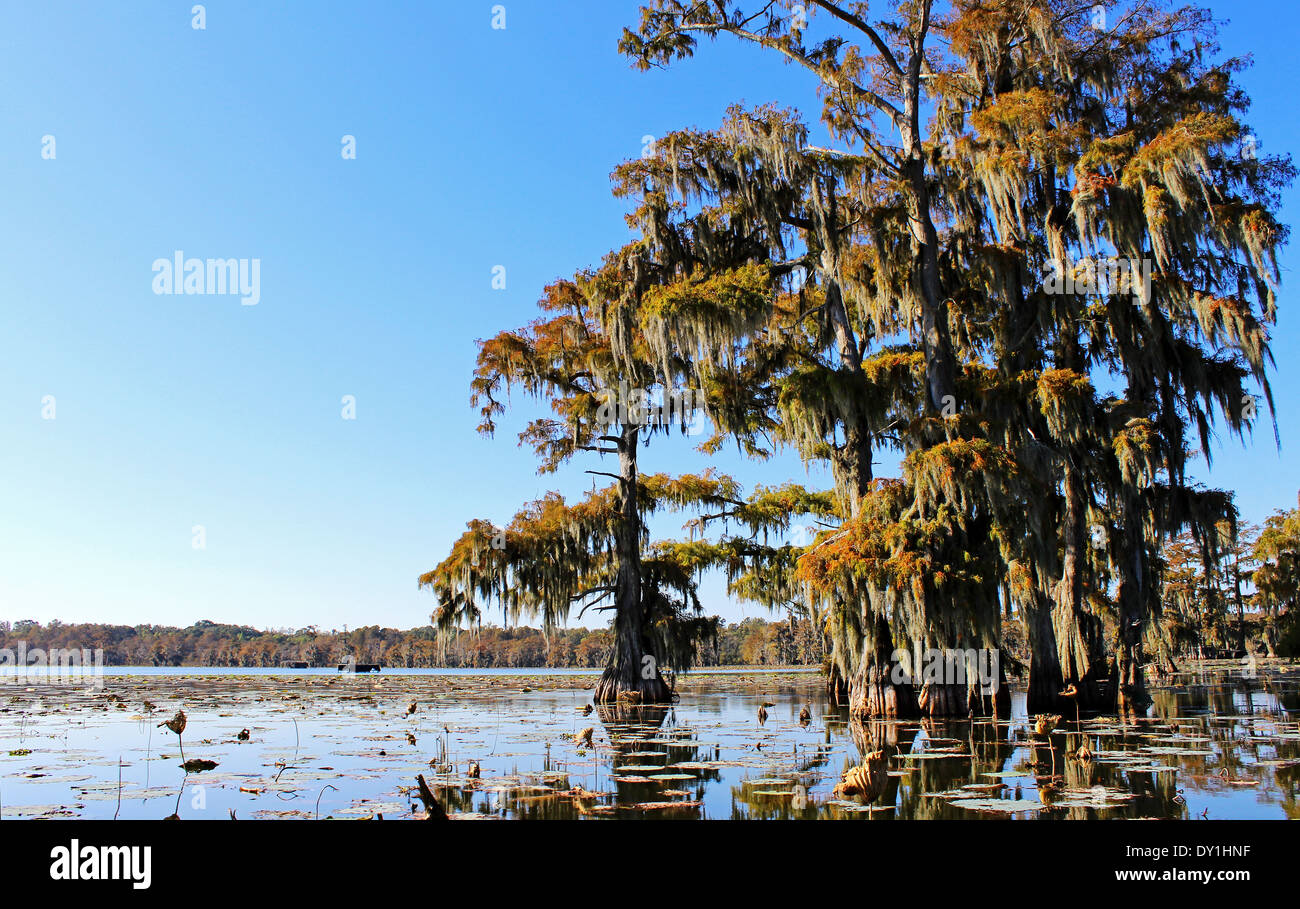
321 744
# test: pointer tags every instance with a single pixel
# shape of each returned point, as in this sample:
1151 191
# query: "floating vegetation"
1098 797
38 811
933 755
857 808
496 754
997 806
199 765
661 806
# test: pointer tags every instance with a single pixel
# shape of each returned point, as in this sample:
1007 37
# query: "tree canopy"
1036 260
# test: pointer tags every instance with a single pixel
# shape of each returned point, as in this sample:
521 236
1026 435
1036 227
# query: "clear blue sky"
475 147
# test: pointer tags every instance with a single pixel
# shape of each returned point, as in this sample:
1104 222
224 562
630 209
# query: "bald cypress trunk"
997 703
1240 601
1045 679
936 341
943 699
837 687
940 364
952 687
880 688
954 673
874 690
851 466
633 671
1076 635
1130 684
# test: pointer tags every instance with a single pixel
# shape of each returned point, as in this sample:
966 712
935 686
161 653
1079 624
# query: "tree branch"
861 25
841 82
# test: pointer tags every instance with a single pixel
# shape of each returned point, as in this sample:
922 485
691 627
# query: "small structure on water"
354 666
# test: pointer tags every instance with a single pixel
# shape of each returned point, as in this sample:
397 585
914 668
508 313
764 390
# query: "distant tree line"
1226 594
1235 592
751 642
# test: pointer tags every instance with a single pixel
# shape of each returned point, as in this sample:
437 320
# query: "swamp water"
329 745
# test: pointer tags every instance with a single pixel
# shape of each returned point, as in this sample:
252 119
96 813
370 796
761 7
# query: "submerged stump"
867 781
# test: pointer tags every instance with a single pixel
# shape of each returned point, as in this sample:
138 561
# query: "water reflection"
1214 746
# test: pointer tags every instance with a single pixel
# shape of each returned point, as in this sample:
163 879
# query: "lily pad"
998 806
